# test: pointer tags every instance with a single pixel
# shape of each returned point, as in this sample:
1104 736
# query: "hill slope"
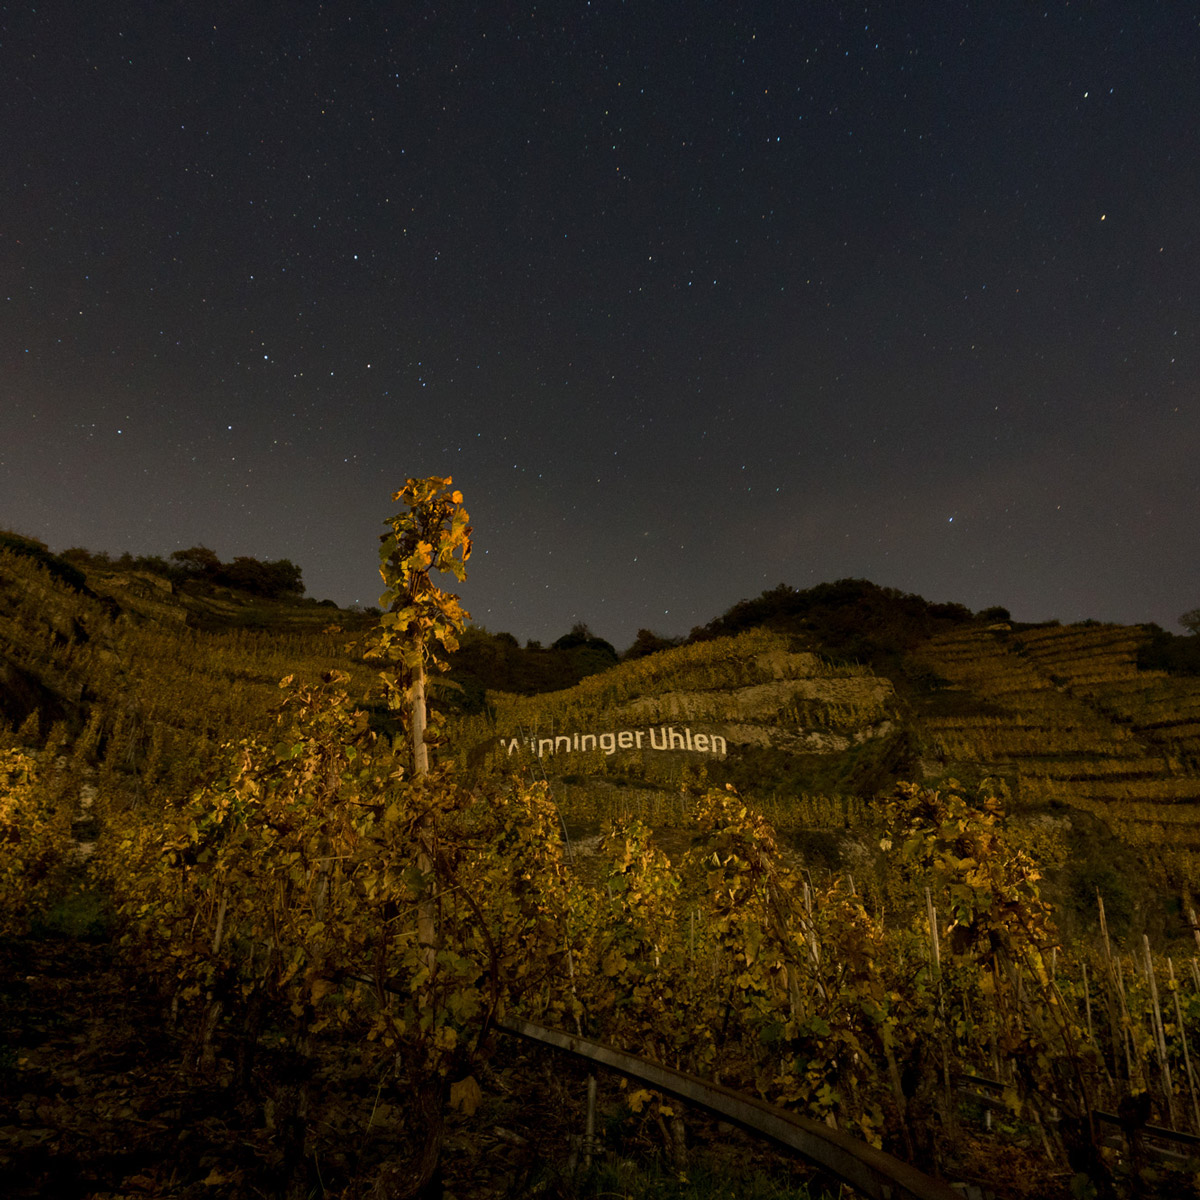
1099 758
287 892
146 681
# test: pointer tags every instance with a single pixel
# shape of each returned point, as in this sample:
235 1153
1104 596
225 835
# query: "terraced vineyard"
1065 715
135 678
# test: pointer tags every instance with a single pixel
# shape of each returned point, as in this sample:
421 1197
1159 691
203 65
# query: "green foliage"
80 912
852 618
868 768
200 567
268 579
581 637
1163 651
496 662
1104 878
197 562
996 613
648 642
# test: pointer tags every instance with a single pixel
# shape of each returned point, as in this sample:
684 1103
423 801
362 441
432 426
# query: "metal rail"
873 1172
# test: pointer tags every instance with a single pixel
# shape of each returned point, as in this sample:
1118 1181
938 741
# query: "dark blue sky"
690 299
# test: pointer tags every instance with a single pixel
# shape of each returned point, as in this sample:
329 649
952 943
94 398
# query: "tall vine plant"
432 533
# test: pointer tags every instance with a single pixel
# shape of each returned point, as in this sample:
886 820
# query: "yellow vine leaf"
466 1095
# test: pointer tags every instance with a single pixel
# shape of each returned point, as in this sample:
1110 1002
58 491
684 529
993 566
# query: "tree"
1191 621
197 561
649 642
285 577
580 635
268 579
589 654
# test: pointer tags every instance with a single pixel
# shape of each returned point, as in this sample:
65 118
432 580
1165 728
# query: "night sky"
689 299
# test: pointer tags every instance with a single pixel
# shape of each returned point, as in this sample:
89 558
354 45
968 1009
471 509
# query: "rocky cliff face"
737 699
813 714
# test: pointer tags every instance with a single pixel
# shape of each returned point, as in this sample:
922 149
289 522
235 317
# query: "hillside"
1072 724
1100 760
842 850
145 679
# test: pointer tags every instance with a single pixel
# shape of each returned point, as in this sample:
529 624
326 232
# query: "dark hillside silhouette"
199 567
488 661
851 618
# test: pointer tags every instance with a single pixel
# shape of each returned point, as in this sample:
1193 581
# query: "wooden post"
219 932
589 1121
936 958
1087 1003
589 1135
1114 1019
931 914
1187 1058
1160 1034
427 904
1127 1030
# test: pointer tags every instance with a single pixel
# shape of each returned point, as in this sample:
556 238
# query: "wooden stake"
1126 1026
1113 1022
1160 1034
589 1136
589 1126
1087 1002
931 914
1187 1058
1104 930
936 960
220 930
